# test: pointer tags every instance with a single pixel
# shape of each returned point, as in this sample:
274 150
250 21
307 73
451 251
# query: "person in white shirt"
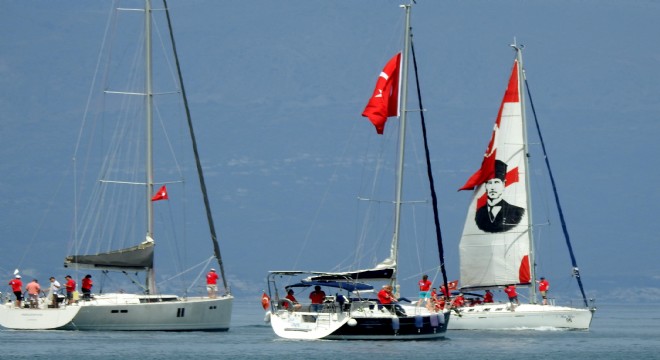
52 292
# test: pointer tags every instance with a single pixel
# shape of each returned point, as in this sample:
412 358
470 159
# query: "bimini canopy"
140 257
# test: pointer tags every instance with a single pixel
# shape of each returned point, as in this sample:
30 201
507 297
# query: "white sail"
495 245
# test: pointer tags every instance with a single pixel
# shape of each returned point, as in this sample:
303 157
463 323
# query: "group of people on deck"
316 297
33 290
436 302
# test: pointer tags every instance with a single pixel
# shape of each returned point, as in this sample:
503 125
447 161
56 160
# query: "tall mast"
150 282
532 260
402 139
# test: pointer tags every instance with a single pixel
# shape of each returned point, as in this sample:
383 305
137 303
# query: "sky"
277 89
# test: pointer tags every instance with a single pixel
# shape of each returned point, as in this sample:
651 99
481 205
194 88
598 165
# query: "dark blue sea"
617 332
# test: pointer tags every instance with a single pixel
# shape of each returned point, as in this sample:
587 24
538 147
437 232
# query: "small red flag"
161 194
385 100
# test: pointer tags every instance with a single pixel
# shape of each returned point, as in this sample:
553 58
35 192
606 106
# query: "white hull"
125 312
361 323
498 316
42 318
301 326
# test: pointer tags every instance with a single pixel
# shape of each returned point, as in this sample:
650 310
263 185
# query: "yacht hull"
126 312
501 316
361 324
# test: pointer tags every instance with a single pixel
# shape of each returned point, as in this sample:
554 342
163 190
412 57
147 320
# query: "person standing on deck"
544 286
70 288
17 287
317 297
424 290
52 292
86 286
512 294
33 290
212 284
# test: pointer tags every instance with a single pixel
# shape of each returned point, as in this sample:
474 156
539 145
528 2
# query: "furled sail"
138 257
368 274
495 245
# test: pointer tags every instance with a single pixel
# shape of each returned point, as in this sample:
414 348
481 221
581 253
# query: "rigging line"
39 227
324 197
202 183
76 148
576 271
434 197
204 264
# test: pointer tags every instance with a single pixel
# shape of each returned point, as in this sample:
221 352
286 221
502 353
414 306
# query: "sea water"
617 332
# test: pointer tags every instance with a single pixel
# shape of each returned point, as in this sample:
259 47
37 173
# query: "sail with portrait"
494 248
497 245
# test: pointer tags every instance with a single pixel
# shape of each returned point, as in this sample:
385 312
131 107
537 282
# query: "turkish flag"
385 100
487 169
161 194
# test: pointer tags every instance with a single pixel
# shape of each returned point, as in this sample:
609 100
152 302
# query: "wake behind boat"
497 246
349 305
111 230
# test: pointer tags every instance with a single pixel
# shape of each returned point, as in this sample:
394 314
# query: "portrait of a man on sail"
494 214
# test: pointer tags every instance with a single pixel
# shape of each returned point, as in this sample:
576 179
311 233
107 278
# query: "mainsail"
139 257
495 245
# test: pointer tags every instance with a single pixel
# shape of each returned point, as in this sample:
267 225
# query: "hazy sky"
277 88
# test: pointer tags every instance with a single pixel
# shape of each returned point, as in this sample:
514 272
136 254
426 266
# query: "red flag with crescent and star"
385 100
161 194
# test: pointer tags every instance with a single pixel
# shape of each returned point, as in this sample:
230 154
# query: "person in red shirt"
440 304
424 290
294 302
444 291
212 283
17 288
458 301
488 297
544 286
86 286
70 288
317 297
385 296
387 300
512 294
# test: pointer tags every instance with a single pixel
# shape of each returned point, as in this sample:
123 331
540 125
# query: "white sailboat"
352 311
497 245
149 309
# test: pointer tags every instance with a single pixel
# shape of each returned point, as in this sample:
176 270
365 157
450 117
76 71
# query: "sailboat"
350 310
497 245
148 309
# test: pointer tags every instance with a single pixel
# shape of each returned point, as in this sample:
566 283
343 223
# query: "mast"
532 260
150 282
402 139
